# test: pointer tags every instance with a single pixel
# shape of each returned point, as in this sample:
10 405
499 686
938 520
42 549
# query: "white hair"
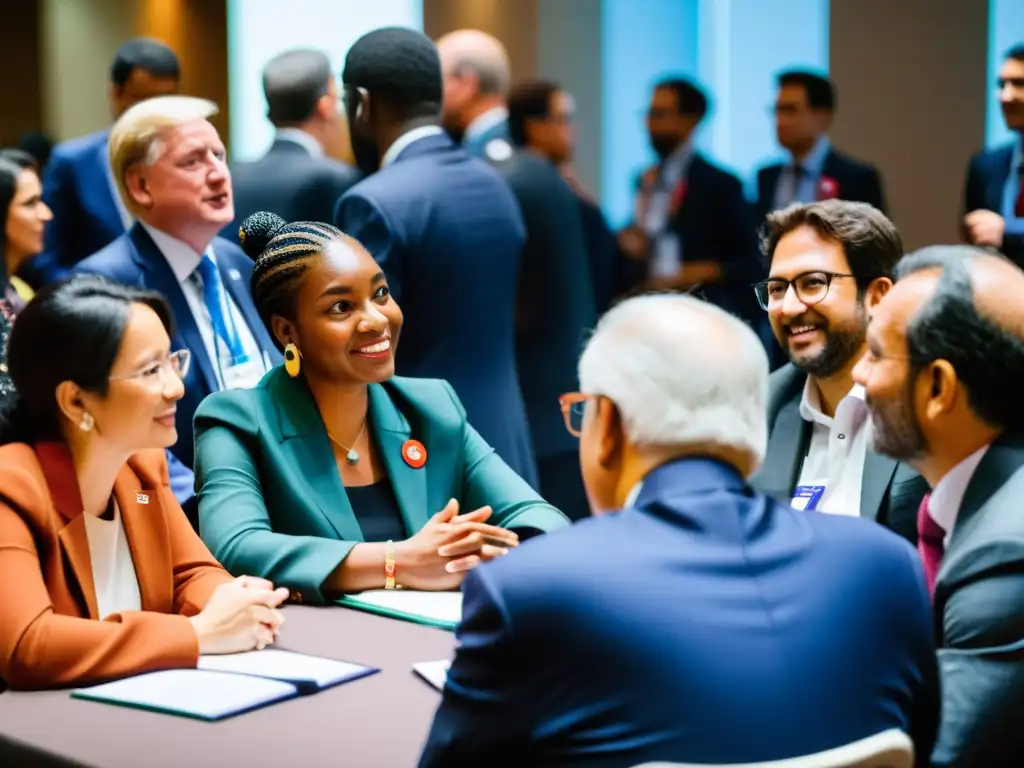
137 135
681 372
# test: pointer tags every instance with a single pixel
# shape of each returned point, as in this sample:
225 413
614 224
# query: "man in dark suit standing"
554 310
942 375
78 186
830 263
169 166
994 192
296 179
804 108
692 228
692 620
445 229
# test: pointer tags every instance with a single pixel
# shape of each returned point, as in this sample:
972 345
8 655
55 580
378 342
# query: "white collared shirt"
113 570
408 138
184 263
303 139
667 256
835 457
486 121
948 495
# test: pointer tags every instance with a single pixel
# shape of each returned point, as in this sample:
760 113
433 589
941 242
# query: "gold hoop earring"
87 422
292 363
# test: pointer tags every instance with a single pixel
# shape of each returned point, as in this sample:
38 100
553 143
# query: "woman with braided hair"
333 475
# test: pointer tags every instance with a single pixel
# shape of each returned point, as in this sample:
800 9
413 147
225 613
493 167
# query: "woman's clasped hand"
437 557
241 615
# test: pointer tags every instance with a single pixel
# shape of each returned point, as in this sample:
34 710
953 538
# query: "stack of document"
224 686
434 609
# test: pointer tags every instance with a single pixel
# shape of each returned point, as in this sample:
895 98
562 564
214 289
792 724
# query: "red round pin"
414 453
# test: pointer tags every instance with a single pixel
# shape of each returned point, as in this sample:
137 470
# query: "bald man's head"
476 73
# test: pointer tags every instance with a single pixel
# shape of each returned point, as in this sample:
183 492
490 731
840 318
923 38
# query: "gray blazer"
979 617
891 491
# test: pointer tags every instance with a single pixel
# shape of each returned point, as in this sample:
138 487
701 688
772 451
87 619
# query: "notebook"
434 672
433 609
225 686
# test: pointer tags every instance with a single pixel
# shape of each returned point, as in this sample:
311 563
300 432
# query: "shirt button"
842 437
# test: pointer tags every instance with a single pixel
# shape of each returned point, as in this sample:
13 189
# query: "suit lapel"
239 291
996 185
390 430
786 446
305 443
141 516
877 474
158 276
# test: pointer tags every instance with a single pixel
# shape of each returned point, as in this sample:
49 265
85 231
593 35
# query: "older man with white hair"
168 163
692 619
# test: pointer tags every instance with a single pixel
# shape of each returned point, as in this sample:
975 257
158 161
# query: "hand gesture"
634 243
450 544
240 616
984 228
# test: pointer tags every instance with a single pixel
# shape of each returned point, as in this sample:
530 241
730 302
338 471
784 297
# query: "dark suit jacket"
860 182
290 182
891 491
134 259
715 223
979 617
555 307
448 233
271 501
51 633
77 187
986 182
707 624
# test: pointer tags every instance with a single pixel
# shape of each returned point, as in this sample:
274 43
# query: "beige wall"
912 84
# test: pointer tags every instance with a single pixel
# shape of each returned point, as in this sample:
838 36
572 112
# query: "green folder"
442 610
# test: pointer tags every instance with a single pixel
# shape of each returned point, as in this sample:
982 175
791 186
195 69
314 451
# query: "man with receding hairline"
942 377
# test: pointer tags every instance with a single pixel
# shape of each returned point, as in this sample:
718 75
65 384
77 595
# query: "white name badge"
806 497
243 375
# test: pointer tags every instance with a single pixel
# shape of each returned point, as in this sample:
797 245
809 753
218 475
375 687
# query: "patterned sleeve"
6 319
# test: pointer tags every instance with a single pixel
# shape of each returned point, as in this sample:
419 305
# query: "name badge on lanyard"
243 375
806 497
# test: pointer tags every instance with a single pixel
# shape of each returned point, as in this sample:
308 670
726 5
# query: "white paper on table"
205 694
276 664
434 672
439 606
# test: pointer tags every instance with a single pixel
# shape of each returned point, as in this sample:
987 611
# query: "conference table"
380 720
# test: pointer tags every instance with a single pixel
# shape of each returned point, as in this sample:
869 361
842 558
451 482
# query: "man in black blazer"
994 192
829 263
446 230
942 378
692 228
296 179
804 109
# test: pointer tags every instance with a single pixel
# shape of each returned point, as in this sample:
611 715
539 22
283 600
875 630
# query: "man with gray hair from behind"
691 619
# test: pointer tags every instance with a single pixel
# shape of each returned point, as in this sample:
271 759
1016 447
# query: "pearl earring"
87 422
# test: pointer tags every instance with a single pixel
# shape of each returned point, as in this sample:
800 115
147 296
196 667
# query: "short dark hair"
821 92
146 54
871 242
400 66
293 83
1016 52
987 357
37 144
70 331
527 100
690 100
13 162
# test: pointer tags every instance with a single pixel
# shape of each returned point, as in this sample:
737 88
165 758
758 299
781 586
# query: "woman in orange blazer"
101 575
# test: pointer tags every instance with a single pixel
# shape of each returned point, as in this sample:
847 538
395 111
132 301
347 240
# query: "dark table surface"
381 720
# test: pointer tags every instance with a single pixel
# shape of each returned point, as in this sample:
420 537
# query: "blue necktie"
217 306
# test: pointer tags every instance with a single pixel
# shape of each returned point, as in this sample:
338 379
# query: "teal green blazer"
271 501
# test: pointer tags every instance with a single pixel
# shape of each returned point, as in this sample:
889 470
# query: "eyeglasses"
811 288
175 364
572 404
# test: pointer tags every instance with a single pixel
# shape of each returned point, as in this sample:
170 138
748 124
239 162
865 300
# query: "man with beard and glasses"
692 228
830 262
942 376
446 230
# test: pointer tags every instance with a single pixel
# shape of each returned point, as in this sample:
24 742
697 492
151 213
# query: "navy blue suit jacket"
986 182
448 234
77 187
857 181
134 259
706 624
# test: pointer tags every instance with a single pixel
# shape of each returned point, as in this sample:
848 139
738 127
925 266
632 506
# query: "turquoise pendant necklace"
351 454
